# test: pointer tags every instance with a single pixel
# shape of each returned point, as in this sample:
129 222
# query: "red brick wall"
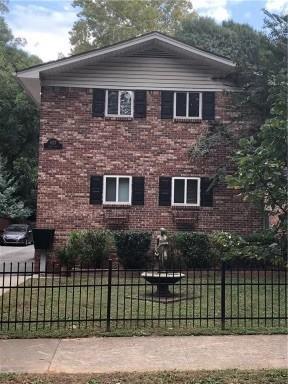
148 147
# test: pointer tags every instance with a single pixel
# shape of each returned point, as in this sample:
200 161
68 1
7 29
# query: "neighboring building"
124 118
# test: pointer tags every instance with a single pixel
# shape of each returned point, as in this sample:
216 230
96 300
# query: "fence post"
223 295
108 318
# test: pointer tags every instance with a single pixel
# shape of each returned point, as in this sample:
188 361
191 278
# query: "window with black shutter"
206 192
167 104
119 103
96 187
140 104
187 105
138 183
186 191
165 191
98 104
117 189
208 100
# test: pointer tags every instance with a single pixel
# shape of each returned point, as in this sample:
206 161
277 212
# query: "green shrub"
190 249
132 248
88 247
255 250
66 257
262 237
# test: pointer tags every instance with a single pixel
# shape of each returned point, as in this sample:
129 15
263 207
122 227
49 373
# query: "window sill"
189 208
185 120
119 118
113 206
185 207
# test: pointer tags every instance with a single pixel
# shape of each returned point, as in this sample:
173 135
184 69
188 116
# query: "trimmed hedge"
190 249
132 248
88 247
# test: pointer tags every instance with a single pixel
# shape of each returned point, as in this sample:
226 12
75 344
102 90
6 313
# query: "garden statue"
161 248
162 277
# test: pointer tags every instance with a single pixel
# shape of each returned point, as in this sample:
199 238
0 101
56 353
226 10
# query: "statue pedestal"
162 280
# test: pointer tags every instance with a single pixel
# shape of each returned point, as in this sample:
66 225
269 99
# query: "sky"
45 24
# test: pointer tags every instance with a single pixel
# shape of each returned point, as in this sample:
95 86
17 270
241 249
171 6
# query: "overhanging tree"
261 163
105 22
261 160
259 147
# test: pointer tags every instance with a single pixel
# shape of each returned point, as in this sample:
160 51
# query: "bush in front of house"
255 250
87 248
66 257
132 248
190 250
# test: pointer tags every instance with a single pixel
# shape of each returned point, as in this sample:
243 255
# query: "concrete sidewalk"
126 354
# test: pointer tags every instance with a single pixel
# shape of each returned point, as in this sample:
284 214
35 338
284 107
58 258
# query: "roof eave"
130 43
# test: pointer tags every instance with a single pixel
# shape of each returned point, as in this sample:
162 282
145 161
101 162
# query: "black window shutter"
138 190
96 187
208 108
167 104
206 193
140 104
164 191
98 105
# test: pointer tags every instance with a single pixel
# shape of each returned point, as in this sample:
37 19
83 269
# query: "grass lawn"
77 305
197 377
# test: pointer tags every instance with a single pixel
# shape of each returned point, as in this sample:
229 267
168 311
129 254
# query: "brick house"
116 127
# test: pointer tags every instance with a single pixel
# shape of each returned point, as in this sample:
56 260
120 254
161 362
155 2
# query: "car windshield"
16 228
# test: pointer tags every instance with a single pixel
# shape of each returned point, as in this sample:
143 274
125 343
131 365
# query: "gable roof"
30 77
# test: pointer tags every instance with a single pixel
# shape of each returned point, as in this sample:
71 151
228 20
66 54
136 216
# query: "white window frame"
119 93
185 192
187 107
117 190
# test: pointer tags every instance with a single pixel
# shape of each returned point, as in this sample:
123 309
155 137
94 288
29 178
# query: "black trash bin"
43 238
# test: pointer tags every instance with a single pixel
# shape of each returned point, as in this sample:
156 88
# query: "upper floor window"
186 191
187 105
119 103
117 190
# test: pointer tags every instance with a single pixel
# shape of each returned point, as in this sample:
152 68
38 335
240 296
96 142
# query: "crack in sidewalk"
54 354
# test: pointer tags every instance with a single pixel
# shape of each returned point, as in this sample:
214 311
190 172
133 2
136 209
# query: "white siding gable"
141 71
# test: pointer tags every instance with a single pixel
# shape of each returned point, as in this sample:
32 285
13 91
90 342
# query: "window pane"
179 191
123 193
113 102
110 189
192 191
194 104
181 104
125 103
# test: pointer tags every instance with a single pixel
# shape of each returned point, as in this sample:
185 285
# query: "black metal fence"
112 298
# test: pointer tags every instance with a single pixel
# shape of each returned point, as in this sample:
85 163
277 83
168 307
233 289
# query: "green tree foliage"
262 165
249 49
10 204
262 159
19 120
3 6
260 152
105 22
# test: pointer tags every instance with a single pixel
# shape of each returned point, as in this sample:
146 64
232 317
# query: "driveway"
16 254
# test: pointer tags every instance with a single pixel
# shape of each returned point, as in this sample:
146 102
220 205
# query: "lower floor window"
186 191
117 190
